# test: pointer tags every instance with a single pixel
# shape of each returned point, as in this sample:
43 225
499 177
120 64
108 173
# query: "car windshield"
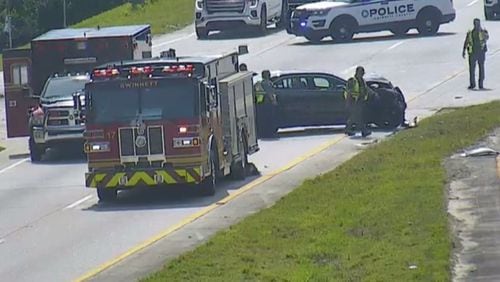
163 100
63 87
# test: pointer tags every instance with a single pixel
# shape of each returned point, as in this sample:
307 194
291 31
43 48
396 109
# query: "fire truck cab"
169 120
43 84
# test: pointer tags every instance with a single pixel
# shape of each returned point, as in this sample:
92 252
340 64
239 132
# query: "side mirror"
242 50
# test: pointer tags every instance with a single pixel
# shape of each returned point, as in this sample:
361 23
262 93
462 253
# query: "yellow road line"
206 210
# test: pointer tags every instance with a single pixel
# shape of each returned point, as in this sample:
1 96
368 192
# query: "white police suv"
341 19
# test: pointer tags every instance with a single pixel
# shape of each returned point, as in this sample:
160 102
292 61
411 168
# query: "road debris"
480 152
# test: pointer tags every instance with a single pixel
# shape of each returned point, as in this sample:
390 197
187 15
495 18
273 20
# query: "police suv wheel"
202 33
314 38
428 22
399 31
342 29
107 195
36 151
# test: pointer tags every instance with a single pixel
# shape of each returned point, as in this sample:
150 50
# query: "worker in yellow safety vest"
266 99
475 46
356 95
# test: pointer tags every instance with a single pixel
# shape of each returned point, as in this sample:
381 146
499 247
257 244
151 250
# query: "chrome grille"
154 144
214 6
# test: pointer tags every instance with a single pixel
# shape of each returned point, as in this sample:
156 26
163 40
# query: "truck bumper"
57 135
151 177
223 21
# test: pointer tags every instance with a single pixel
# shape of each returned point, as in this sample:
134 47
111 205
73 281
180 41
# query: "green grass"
368 220
163 15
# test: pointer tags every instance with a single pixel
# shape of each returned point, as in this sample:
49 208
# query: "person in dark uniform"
475 46
356 95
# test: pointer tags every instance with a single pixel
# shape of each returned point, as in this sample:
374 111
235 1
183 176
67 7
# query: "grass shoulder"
163 15
370 219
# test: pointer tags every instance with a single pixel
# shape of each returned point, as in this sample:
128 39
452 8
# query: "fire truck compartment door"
18 91
238 110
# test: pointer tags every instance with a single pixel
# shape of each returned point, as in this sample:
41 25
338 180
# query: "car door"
293 103
327 101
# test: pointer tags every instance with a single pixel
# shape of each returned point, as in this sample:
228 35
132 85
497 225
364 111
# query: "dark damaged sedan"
317 99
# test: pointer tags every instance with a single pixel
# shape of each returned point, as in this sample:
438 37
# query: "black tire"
284 16
36 151
239 169
343 29
202 33
263 20
207 187
107 195
315 39
393 119
428 22
489 15
399 31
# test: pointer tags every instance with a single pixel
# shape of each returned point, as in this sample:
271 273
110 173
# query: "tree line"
30 18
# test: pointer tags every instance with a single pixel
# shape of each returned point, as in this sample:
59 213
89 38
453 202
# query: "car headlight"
321 12
37 121
253 3
96 147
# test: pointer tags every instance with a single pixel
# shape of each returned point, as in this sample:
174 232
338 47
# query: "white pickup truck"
342 19
229 14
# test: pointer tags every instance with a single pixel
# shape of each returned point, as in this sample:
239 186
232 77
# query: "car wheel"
399 31
202 33
239 169
428 22
343 29
489 15
315 39
107 195
283 21
36 151
208 184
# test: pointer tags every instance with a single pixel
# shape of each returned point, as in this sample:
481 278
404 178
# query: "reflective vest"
483 37
353 90
259 97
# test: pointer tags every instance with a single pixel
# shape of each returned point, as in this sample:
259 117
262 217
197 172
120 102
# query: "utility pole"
64 13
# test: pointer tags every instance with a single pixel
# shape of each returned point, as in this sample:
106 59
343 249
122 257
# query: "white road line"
395 45
173 40
14 165
78 202
472 3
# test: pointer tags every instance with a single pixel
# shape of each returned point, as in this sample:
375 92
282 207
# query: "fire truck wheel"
239 169
36 151
208 185
107 195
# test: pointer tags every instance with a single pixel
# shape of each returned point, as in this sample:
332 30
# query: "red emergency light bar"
106 73
146 70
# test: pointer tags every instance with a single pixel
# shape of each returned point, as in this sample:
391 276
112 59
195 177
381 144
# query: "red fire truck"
169 120
53 119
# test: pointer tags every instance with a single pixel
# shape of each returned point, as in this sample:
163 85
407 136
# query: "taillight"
188 129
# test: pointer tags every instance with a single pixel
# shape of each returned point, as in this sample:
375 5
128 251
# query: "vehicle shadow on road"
175 197
59 157
368 39
240 33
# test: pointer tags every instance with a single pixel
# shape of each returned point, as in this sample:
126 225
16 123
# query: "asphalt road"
51 227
